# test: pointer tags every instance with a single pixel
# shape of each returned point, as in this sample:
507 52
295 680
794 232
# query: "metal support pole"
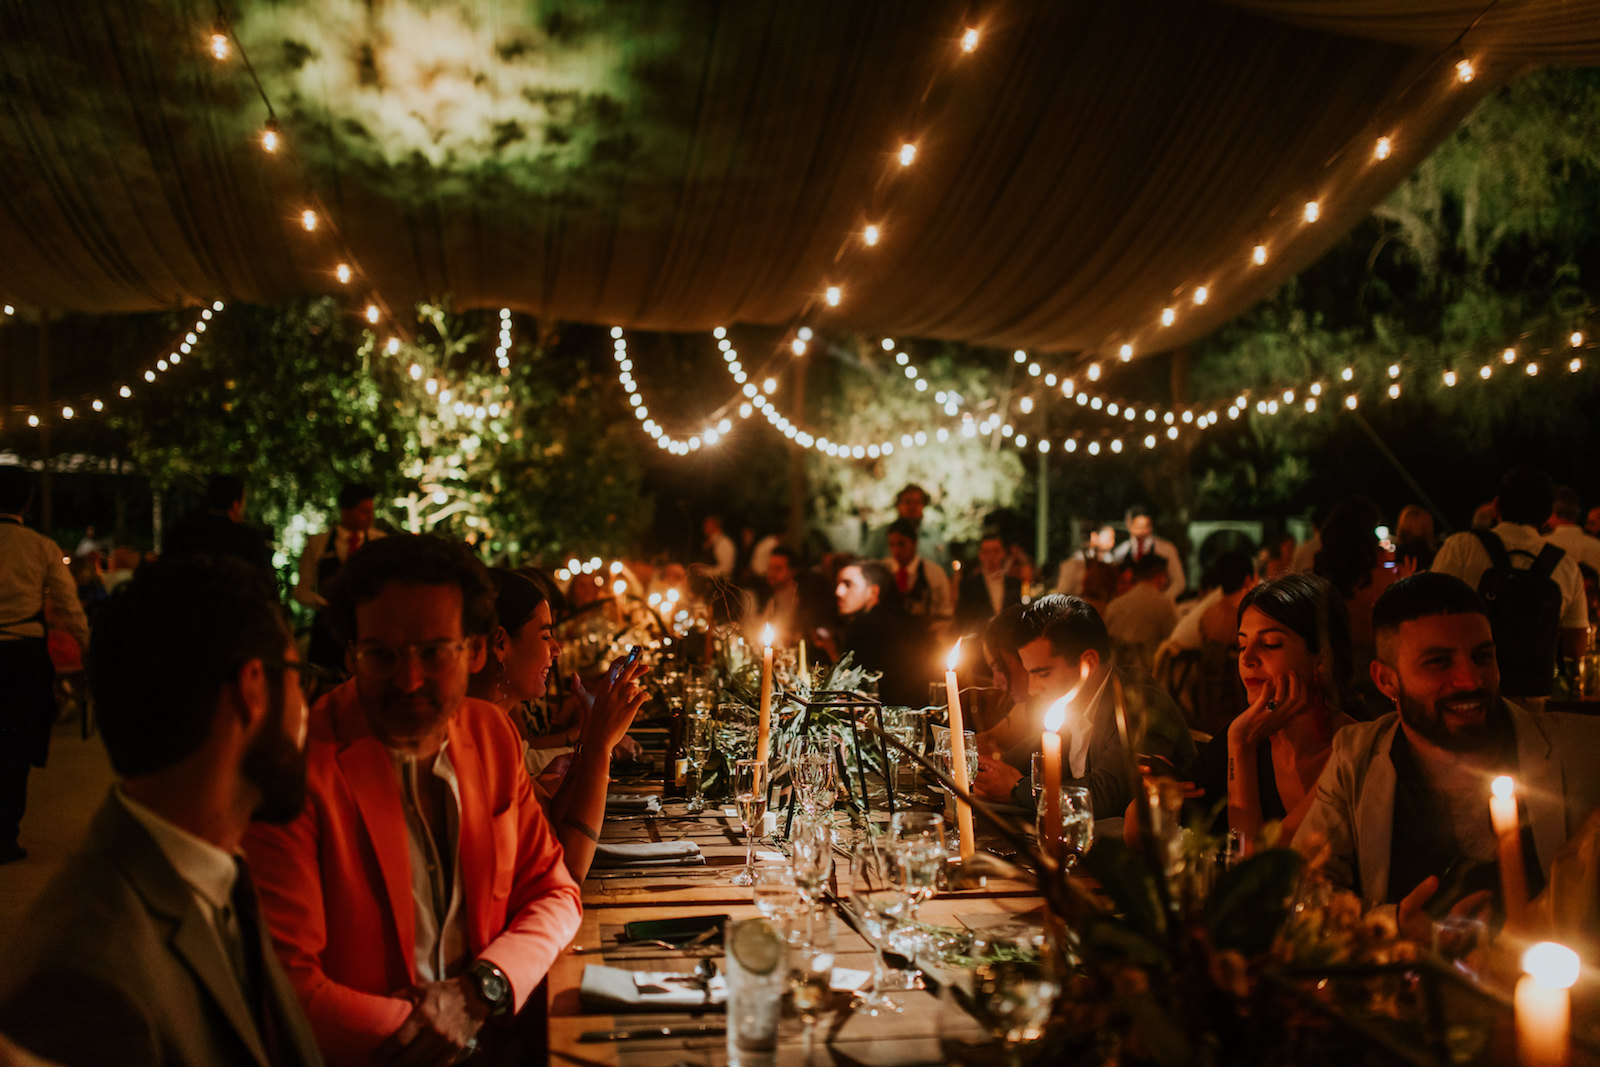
46 476
1041 535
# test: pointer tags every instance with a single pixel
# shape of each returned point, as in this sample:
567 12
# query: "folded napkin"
634 804
648 854
610 989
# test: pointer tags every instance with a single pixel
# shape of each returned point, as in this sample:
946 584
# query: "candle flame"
954 657
1056 717
766 635
1551 965
1502 786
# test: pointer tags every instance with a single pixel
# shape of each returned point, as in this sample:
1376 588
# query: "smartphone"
621 667
675 930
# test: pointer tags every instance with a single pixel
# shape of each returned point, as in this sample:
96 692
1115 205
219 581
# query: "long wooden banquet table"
618 895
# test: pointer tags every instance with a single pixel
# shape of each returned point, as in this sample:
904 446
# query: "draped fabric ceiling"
675 166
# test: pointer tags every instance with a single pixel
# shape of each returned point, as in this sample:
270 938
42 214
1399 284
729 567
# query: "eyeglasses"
434 657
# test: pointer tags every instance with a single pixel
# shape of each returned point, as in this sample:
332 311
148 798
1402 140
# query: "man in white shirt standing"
1069 579
148 946
33 575
1567 535
324 554
1142 541
1524 502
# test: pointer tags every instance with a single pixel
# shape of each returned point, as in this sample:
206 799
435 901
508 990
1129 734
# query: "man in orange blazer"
421 892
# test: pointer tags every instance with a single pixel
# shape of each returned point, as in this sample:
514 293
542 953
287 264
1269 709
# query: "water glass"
757 971
816 779
698 741
773 891
1013 995
737 728
880 908
906 726
811 961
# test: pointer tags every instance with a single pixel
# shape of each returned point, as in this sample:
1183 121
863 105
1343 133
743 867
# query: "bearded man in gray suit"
148 946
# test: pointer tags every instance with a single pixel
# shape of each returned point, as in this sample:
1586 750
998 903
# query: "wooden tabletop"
612 897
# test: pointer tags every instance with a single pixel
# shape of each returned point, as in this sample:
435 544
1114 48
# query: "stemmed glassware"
811 854
905 725
880 909
917 857
816 777
750 794
698 741
736 726
811 970
1014 991
945 762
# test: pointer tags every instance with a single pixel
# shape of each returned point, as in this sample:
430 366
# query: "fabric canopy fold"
679 166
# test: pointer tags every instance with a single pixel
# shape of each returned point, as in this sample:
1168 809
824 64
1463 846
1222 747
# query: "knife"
639 1033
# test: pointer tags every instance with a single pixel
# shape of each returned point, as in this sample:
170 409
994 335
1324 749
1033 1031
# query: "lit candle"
1508 834
958 751
1544 1005
1050 747
804 670
763 739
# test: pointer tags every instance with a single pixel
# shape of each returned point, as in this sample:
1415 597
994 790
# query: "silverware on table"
641 1033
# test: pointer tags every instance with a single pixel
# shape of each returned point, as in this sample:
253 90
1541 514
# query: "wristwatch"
492 985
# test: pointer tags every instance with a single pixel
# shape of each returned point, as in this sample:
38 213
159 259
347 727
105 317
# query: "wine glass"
916 858
750 794
1077 824
698 742
1014 990
946 762
905 725
880 908
811 853
811 969
736 730
816 780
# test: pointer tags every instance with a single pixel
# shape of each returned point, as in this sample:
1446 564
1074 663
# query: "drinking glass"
811 853
811 969
905 725
1077 824
1013 993
773 891
757 971
737 727
880 908
750 794
816 779
944 761
698 742
916 859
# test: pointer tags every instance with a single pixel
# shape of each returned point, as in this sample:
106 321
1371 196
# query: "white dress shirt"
1577 544
441 924
31 574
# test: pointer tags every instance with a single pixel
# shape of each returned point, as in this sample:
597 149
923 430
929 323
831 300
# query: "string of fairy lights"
311 216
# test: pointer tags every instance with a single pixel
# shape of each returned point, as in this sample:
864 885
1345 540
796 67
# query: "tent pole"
1399 467
46 477
1041 533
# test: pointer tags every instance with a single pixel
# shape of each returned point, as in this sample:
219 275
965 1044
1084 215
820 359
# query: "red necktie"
355 543
903 580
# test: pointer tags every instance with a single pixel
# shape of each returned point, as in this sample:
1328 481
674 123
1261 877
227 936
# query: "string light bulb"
308 219
870 236
220 49
833 294
125 392
1576 340
98 404
1509 356
67 413
372 314
342 272
1465 72
1125 353
1168 316
908 154
1258 255
1201 294
1383 149
798 347
33 420
969 39
1450 378
1312 211
271 139
1532 369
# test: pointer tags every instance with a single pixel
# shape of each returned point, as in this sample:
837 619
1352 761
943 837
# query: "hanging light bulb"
833 294
125 392
308 219
1312 211
1576 340
1382 150
271 139
1201 295
1258 256
1168 316
1464 71
33 420
372 314
969 39
870 236
342 272
220 48
908 154
1125 353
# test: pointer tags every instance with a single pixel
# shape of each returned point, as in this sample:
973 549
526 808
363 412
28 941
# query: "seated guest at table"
1404 800
1140 619
880 635
521 656
1013 723
1414 542
1294 661
220 530
148 947
986 589
421 893
797 602
1064 642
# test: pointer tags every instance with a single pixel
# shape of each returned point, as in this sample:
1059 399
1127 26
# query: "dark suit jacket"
219 535
115 963
973 610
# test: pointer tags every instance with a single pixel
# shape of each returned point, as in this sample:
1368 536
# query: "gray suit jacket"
1354 807
116 964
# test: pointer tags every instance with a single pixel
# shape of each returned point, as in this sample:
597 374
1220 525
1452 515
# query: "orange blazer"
335 884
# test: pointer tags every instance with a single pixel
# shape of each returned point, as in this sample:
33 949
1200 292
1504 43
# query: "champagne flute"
750 794
698 742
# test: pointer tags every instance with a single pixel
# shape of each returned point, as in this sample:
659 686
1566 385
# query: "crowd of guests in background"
352 845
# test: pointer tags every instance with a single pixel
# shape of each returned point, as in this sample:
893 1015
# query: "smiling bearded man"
1403 804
